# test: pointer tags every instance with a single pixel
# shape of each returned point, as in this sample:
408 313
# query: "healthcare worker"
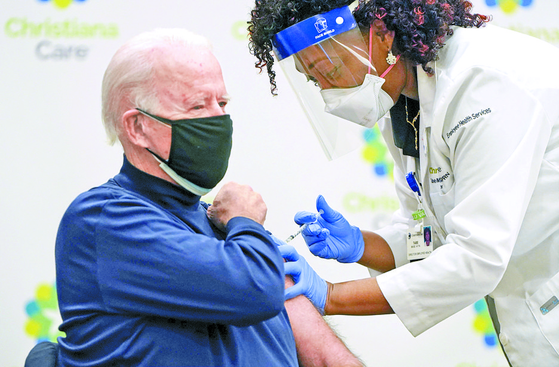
473 129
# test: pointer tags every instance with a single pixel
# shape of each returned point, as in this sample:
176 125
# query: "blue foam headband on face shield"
312 31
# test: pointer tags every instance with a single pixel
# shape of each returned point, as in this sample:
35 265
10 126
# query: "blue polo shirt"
144 279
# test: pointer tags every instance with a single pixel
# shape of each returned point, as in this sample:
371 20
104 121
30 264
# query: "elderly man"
144 278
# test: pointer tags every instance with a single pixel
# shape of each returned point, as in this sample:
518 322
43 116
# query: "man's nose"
216 109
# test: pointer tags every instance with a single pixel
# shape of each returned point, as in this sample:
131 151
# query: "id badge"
419 242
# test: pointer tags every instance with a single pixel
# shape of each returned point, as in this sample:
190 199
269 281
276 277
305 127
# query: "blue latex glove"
307 281
276 240
329 235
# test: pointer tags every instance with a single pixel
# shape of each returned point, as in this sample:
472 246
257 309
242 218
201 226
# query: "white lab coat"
489 169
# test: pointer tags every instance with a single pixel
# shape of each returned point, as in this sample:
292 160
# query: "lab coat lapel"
426 88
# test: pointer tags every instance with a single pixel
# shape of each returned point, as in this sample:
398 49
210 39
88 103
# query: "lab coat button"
504 339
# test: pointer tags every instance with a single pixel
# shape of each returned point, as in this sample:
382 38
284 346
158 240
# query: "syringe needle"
296 233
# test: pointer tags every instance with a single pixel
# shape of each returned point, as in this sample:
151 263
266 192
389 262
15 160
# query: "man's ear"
133 128
382 33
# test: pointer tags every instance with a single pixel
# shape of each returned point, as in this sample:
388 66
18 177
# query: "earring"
391 59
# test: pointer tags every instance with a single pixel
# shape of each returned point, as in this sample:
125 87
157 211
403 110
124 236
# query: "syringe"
296 233
301 228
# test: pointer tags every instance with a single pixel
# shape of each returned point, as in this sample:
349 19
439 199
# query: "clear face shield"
327 62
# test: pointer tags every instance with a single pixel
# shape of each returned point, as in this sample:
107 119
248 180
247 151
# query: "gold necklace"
412 123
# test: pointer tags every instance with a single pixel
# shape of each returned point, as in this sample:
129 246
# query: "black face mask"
200 150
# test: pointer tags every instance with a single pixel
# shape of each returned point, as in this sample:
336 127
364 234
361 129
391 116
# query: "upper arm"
151 264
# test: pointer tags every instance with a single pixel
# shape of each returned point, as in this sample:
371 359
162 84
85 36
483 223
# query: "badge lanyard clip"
414 186
419 242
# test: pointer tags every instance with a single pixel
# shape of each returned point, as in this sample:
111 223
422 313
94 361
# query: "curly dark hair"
420 26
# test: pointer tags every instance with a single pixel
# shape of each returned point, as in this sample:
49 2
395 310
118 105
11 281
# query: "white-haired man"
144 278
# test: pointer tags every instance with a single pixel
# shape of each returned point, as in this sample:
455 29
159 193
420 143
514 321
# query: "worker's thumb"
327 213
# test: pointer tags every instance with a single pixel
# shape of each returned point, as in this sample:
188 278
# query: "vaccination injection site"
280 183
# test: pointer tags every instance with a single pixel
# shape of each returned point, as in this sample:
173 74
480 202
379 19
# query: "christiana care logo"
61 37
43 316
61 4
509 6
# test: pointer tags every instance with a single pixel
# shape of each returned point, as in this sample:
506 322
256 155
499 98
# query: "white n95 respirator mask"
364 105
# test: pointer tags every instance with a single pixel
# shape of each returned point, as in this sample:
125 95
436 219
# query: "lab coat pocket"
442 203
544 305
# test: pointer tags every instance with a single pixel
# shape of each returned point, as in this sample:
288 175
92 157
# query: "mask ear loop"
390 67
371 53
370 47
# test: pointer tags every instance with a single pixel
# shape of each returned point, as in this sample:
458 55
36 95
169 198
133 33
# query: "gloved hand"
276 240
307 281
329 235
